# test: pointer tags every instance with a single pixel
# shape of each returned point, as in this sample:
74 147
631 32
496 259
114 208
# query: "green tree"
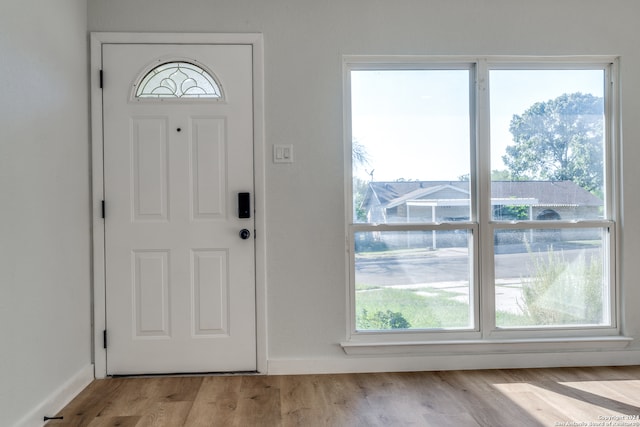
359 158
359 191
501 175
359 154
559 140
496 175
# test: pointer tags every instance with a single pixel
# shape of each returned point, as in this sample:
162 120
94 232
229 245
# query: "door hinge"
103 209
101 81
104 339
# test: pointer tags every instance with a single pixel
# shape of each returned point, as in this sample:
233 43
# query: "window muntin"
581 221
178 80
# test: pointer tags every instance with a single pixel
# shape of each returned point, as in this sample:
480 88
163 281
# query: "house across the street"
441 201
446 201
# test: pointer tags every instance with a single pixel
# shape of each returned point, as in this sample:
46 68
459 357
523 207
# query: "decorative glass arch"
178 80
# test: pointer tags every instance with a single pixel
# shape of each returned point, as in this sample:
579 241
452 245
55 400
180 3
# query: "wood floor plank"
346 402
457 420
140 392
390 401
303 400
522 397
178 389
481 401
624 391
538 410
437 397
88 404
126 421
166 414
216 402
258 402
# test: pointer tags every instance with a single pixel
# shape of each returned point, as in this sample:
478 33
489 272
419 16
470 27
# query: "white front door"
180 280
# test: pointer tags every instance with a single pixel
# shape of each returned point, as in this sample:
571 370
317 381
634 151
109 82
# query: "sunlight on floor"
579 403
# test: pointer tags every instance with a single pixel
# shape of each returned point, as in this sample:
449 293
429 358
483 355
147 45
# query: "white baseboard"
449 362
58 399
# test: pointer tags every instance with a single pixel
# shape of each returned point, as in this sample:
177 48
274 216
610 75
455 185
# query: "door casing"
98 235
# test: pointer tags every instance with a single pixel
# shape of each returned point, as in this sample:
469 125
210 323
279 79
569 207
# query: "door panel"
150 168
180 283
210 292
151 286
209 168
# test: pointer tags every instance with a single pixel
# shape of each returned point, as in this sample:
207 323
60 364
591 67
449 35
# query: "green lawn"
429 309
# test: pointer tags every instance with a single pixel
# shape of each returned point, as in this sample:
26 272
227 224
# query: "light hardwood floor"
496 398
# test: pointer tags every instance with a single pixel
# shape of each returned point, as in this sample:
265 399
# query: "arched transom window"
178 80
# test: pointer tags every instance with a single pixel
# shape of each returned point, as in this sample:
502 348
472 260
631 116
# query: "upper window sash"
369 184
578 200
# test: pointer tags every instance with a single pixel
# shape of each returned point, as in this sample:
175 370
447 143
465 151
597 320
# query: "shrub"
563 292
381 320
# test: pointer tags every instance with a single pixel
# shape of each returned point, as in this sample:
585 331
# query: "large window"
482 198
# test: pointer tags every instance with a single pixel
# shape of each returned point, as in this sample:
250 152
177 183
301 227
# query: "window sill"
486 346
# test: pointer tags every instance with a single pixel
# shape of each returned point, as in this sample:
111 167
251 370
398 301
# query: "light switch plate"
282 153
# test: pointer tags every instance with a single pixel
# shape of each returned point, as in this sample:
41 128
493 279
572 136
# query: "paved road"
444 265
448 269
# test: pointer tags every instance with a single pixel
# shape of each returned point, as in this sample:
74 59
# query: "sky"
414 124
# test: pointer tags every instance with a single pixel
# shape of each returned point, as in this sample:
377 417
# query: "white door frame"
99 282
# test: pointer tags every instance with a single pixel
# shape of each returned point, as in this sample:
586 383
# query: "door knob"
245 234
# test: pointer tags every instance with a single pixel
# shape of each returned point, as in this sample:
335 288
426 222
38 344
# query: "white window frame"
484 336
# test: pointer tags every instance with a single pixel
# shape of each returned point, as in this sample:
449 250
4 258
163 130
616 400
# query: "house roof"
548 193
423 193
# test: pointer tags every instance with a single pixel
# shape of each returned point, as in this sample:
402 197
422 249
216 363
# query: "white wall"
45 338
304 44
